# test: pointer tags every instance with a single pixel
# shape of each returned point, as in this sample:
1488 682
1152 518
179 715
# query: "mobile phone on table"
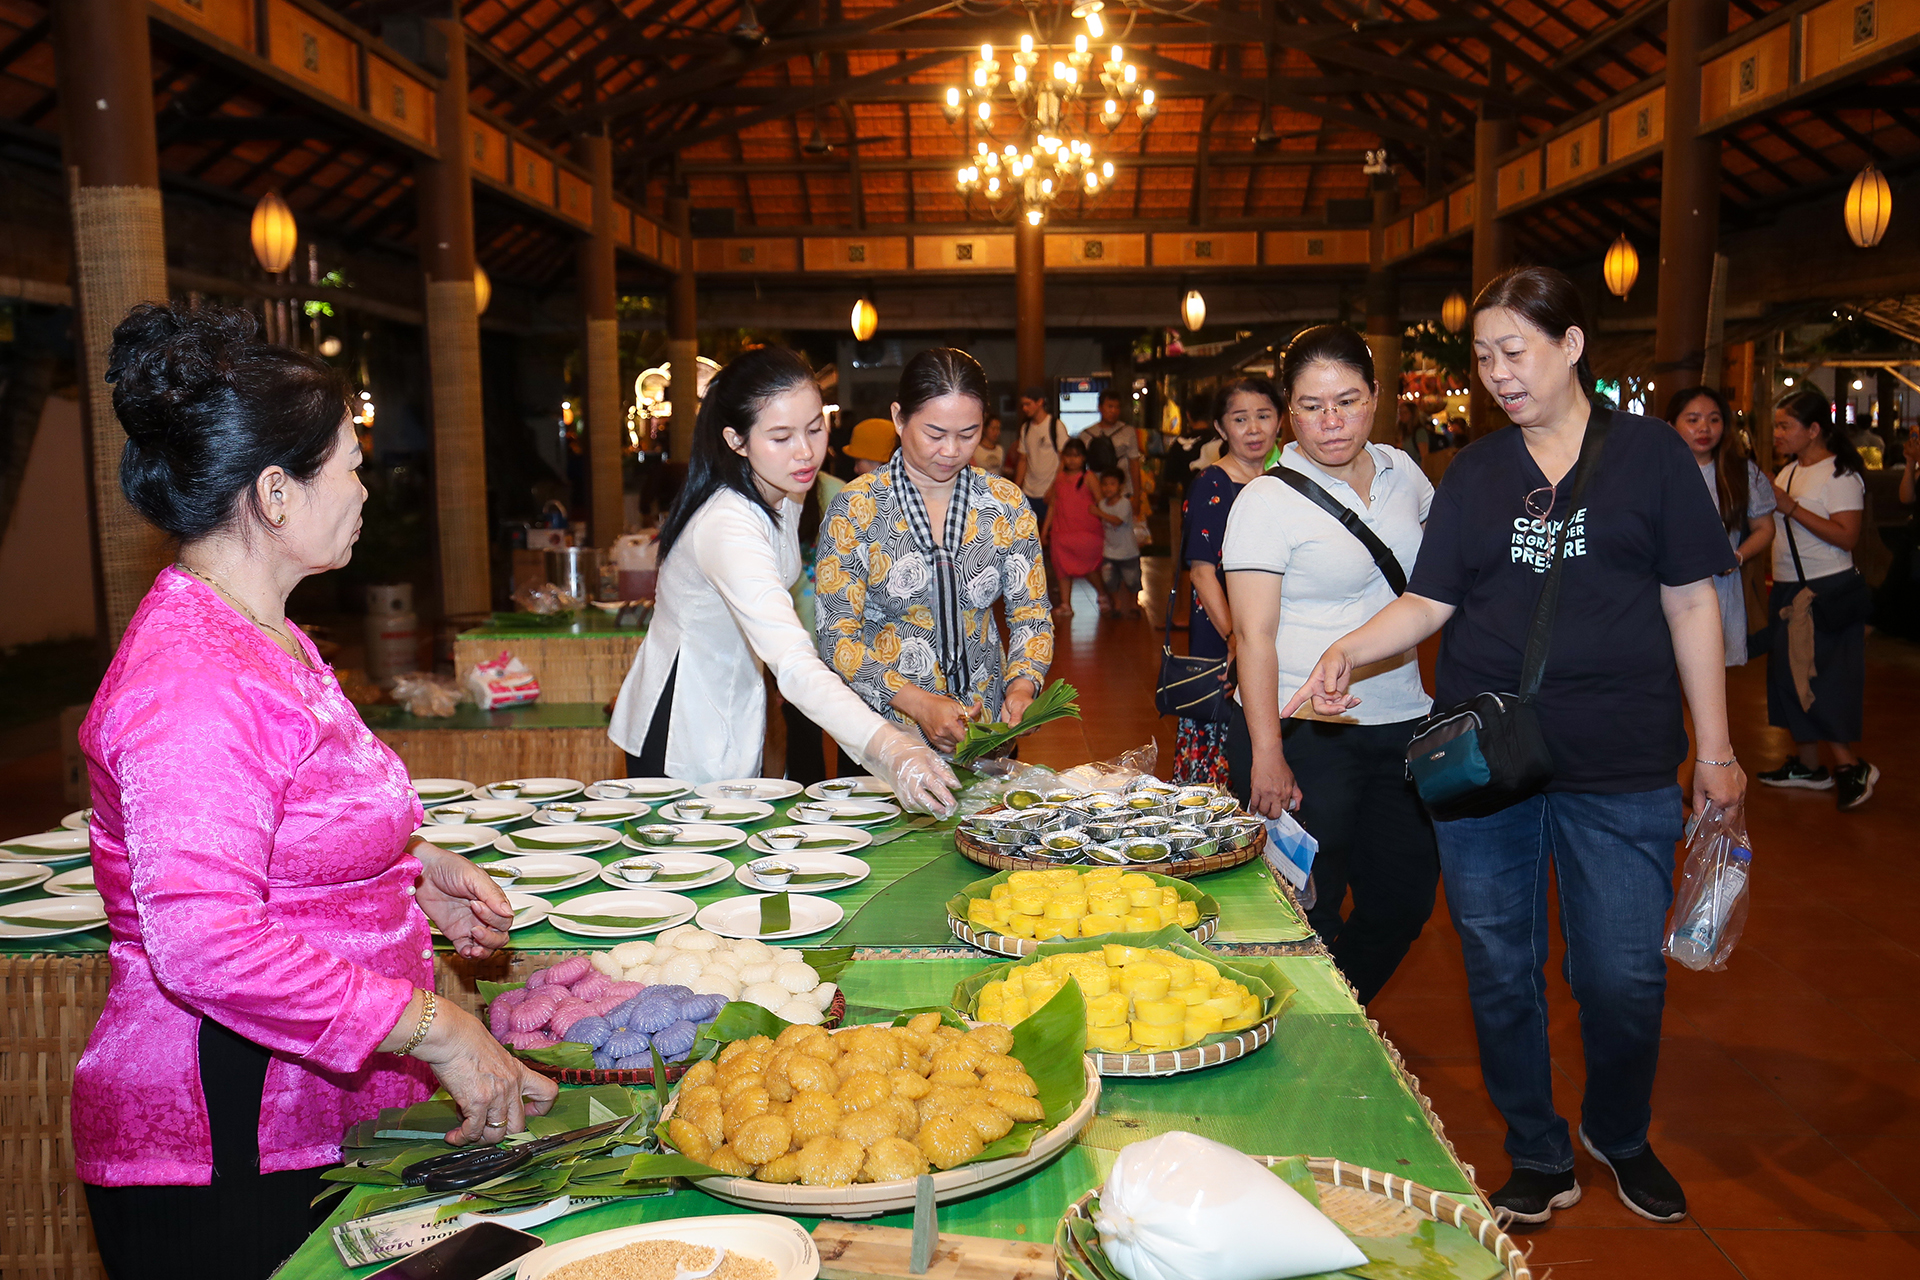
483 1251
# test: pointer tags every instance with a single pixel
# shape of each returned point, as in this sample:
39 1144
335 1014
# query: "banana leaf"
609 922
1209 908
1260 974
1057 701
527 840
776 913
29 922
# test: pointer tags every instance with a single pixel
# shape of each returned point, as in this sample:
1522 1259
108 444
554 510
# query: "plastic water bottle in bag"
1710 909
1696 941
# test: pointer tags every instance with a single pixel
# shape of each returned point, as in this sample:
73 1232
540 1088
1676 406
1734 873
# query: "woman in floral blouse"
912 557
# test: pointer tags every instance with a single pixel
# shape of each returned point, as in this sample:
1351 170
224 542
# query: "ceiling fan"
819 146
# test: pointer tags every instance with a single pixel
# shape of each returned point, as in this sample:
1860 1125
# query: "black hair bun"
166 358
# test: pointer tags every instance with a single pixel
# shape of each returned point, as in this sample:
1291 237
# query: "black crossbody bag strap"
1540 635
1382 554
1793 546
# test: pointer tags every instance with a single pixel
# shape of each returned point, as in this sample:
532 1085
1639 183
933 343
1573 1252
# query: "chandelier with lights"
1027 159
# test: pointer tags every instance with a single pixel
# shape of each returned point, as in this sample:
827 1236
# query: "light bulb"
1856 384
1073 76
1012 151
1026 44
1118 55
986 111
1094 25
1019 74
1035 217
983 148
1788 379
1079 44
1106 170
953 97
986 53
1131 73
1146 97
1046 185
1059 71
980 77
993 186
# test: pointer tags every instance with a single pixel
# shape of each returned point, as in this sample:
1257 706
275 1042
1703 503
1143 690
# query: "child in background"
1072 532
990 455
1120 548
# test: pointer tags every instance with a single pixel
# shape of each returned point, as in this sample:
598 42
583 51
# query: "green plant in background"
1451 351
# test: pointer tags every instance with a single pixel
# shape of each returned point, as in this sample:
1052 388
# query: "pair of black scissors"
458 1170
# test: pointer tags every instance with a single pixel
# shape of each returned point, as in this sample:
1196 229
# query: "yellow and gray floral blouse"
875 594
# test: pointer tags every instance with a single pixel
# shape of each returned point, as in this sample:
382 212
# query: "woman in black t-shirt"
1638 628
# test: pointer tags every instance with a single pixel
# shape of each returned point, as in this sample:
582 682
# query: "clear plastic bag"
428 695
997 777
1711 908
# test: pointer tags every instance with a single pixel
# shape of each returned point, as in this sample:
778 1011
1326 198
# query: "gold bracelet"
426 1023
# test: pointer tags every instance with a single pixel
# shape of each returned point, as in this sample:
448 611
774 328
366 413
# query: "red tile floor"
1788 1101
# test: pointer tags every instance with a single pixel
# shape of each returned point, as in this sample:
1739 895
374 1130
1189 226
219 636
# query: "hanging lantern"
1193 309
1621 267
1453 312
482 290
1869 205
274 233
866 319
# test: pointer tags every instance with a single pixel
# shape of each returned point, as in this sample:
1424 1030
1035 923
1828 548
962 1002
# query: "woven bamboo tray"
1364 1202
644 1075
1182 870
1174 1062
1009 944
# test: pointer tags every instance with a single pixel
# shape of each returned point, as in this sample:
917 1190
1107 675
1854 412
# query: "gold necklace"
227 594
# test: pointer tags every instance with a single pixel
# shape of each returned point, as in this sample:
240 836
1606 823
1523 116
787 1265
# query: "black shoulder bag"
1849 603
1489 752
1382 554
1192 688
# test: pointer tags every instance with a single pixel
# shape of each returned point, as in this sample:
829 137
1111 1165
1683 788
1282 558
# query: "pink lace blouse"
249 838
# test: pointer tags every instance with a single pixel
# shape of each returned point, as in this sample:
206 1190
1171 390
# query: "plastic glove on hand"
920 779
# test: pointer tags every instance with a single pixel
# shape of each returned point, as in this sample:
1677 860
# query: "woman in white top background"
1741 493
1820 497
1297 580
694 705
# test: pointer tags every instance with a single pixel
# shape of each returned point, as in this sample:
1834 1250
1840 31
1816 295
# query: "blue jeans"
1613 856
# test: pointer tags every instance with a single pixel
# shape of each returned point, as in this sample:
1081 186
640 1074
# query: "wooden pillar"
1030 305
1689 202
606 426
445 189
1383 315
1492 248
683 341
104 70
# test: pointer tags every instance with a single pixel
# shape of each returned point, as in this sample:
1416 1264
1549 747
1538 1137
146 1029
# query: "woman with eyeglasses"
1637 631
1298 580
1246 413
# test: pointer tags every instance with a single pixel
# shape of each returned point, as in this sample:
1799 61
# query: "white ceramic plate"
701 870
852 869
596 811
24 875
547 872
693 838
52 846
846 813
568 837
486 813
528 910
763 789
647 790
75 914
459 837
813 839
538 790
864 786
77 820
729 811
870 1199
441 790
740 917
781 1242
72 883
664 910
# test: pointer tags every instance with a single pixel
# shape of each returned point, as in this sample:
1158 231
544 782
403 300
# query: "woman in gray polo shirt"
1297 580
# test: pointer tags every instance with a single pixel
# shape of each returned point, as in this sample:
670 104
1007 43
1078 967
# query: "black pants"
810 758
249 1221
652 760
1375 838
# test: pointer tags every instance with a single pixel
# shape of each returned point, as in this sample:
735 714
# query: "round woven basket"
1363 1202
1012 944
1173 1062
1186 869
644 1075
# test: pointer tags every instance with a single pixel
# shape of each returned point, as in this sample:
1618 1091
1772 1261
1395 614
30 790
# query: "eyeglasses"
1347 412
1539 505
